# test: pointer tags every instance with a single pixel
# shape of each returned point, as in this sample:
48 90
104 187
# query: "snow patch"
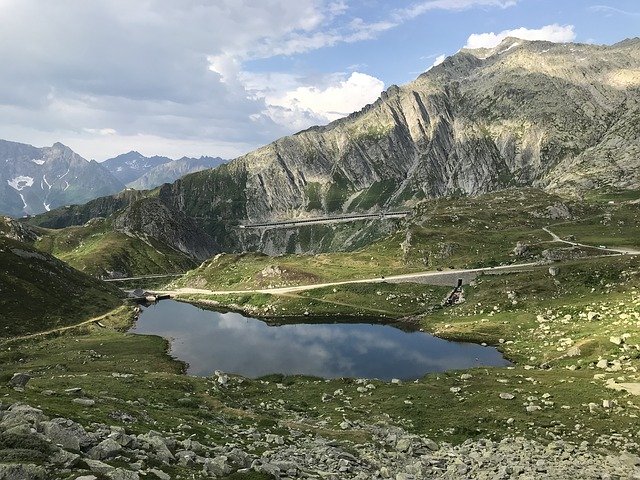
66 186
20 182
515 44
44 177
47 207
37 162
25 203
65 174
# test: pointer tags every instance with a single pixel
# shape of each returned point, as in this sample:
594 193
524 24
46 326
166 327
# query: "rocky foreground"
35 447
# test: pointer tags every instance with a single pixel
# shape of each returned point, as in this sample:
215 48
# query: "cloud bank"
175 77
552 33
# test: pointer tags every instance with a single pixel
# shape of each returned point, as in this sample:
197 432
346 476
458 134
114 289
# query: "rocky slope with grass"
59 446
98 402
562 117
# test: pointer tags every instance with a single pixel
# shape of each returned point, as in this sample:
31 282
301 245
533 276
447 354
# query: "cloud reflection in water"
233 343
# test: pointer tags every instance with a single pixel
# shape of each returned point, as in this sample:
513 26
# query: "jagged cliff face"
150 218
556 116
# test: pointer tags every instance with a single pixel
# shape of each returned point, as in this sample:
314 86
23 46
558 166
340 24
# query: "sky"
223 77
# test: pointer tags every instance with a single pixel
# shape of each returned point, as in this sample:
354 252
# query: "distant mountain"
140 172
34 180
560 117
128 167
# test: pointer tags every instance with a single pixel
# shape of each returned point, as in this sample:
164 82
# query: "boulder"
217 466
106 449
19 380
97 466
66 433
20 414
122 474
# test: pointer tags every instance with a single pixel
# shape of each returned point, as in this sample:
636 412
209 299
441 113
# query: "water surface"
209 340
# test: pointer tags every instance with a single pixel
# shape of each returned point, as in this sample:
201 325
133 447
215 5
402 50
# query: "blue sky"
399 54
222 77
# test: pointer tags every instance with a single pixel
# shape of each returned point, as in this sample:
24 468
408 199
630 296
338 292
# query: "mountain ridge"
140 172
562 117
34 180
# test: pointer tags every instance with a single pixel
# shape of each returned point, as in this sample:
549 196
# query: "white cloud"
97 74
439 59
420 8
298 103
552 33
334 101
101 131
612 10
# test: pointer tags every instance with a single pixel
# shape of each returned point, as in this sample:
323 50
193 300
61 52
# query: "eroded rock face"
561 117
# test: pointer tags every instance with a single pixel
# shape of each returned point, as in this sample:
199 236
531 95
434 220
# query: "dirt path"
60 329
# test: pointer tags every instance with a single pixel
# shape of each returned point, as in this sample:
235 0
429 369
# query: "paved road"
328 219
621 250
143 277
432 275
446 277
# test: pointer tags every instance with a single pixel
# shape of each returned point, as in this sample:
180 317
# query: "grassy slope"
39 292
535 332
461 233
428 406
386 301
96 249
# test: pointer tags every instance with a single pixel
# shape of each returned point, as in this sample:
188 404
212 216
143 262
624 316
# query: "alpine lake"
210 340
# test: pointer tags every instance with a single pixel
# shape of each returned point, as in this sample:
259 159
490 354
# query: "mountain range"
35 180
562 117
140 172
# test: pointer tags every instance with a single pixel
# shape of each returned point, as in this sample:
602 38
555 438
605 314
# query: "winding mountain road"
432 275
620 250
447 277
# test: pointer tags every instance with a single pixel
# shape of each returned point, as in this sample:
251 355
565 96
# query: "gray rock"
157 445
217 466
106 449
404 444
19 380
20 414
64 459
85 402
431 445
122 474
66 433
73 391
159 474
22 472
97 466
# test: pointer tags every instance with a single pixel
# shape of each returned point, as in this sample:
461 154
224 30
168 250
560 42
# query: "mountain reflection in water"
209 340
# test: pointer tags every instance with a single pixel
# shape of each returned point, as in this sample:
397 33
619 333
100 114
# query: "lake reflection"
233 343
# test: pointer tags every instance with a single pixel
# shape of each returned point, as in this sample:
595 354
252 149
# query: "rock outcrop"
62 446
526 113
